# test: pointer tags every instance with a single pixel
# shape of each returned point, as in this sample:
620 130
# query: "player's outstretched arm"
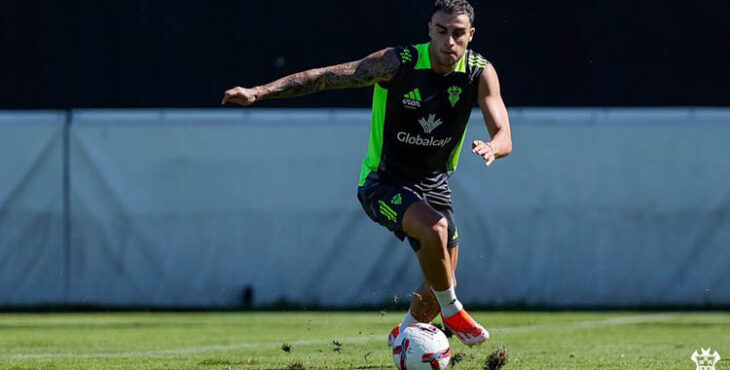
495 117
376 67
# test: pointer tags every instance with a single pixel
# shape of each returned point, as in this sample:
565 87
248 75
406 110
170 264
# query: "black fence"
141 53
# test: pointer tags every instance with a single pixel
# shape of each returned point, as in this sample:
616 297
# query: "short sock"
450 305
407 321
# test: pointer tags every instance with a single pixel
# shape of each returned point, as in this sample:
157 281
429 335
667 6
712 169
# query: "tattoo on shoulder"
376 67
381 66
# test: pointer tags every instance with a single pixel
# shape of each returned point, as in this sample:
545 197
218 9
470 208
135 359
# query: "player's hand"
483 150
239 95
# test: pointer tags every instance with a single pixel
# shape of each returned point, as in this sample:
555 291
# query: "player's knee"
439 231
441 228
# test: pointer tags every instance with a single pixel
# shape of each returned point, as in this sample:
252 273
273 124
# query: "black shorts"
386 204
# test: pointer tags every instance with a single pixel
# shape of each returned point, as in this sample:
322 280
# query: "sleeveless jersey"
419 122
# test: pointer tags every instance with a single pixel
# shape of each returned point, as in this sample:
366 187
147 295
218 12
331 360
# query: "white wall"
185 208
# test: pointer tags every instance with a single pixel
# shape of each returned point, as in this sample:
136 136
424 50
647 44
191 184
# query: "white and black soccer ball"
421 346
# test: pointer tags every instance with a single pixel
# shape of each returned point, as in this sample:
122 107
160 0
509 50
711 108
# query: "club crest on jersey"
430 124
454 95
412 99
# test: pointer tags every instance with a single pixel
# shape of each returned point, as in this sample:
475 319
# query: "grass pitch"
347 340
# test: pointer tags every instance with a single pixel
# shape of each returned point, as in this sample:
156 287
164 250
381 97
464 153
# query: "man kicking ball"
423 98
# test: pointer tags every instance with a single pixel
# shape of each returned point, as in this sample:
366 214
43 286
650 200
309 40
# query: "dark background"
143 53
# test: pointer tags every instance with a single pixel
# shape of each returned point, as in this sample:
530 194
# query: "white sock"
450 305
407 321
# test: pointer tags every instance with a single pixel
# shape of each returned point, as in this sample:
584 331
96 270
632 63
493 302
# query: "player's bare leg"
424 306
431 229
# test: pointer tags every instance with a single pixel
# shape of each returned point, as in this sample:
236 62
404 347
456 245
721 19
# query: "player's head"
451 30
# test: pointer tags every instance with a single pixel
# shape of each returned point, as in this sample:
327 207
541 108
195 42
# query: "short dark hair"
454 7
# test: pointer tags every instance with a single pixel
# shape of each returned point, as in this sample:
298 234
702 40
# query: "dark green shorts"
386 204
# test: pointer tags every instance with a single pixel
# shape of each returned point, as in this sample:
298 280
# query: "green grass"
571 340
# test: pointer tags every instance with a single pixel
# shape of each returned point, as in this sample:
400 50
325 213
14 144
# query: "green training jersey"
419 121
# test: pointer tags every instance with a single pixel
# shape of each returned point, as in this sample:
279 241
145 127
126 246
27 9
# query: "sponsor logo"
454 92
705 360
412 99
407 138
430 124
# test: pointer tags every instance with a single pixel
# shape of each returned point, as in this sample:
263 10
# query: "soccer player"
423 97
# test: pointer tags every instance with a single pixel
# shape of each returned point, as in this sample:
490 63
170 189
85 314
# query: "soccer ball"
421 346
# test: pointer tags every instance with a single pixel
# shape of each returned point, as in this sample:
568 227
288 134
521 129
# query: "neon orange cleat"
465 328
393 334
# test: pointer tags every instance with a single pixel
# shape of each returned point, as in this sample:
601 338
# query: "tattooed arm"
379 66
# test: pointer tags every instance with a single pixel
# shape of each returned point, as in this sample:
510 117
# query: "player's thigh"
421 220
448 213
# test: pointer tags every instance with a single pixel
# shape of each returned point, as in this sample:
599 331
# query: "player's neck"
435 66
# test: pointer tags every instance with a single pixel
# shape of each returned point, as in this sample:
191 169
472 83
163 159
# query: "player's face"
450 35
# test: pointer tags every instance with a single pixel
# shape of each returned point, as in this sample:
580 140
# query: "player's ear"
430 29
471 34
